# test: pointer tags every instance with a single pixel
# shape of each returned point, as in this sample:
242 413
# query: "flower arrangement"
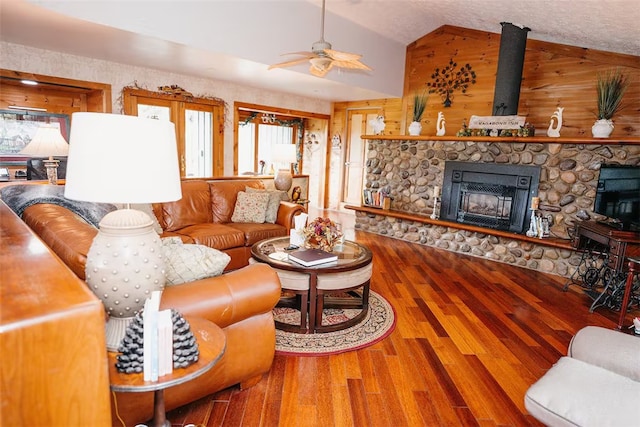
322 233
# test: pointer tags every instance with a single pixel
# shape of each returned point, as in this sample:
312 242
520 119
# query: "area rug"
375 326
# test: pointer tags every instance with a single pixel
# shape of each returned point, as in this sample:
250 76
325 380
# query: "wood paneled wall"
53 94
554 76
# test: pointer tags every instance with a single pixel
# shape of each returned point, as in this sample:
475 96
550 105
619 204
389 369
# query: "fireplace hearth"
489 195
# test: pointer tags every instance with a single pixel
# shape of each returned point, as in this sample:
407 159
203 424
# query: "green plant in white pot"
419 105
611 87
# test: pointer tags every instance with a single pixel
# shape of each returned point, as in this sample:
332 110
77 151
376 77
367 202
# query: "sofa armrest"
228 298
609 349
286 212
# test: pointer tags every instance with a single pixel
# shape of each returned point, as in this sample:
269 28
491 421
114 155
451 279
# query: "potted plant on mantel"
611 87
419 104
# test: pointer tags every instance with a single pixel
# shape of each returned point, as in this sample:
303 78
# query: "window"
259 133
199 127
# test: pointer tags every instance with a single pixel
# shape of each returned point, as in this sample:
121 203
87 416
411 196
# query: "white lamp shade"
46 142
116 158
284 153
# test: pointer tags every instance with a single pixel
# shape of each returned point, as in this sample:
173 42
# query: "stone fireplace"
409 170
490 195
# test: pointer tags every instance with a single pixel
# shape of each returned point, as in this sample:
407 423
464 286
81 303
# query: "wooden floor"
472 335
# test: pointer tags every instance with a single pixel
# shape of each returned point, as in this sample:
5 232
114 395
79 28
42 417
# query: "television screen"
618 195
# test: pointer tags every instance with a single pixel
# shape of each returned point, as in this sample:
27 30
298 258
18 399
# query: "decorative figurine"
440 124
554 132
295 193
377 125
464 131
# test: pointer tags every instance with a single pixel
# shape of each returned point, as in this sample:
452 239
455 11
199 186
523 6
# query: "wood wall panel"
554 76
54 94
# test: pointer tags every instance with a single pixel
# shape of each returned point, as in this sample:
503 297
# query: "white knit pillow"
187 262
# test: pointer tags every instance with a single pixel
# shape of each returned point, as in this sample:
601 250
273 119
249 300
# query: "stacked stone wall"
409 170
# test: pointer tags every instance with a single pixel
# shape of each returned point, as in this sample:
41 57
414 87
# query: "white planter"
602 128
415 128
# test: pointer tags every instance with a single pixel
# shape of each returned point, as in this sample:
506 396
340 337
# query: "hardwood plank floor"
472 335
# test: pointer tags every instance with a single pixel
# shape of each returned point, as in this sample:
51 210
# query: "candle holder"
533 224
436 208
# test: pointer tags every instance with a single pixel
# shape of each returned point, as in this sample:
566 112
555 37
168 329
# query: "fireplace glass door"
489 195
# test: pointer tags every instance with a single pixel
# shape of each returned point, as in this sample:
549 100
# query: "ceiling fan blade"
289 63
347 60
342 56
306 54
354 65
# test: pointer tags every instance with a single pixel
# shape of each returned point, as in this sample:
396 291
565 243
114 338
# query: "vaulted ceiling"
237 40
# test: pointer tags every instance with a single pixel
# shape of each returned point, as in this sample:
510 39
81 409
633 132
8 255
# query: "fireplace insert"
489 195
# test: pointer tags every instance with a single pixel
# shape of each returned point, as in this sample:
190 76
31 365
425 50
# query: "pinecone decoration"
131 357
185 347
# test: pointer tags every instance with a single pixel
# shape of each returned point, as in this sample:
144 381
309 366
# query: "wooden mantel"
511 139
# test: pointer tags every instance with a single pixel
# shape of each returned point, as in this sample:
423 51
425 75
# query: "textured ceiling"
237 40
611 25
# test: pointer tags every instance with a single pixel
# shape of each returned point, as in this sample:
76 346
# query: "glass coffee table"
339 284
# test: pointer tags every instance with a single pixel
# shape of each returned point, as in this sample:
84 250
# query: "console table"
614 246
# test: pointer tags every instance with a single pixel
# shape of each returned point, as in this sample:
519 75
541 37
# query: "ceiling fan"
322 58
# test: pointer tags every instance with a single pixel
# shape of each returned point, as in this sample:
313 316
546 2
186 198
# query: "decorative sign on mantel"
496 122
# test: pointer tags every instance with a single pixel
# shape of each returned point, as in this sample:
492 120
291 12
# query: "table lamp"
284 153
123 159
48 142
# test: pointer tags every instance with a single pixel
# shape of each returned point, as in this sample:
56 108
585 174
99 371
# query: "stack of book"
311 257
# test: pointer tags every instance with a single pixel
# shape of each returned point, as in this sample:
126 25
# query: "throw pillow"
250 207
187 262
275 196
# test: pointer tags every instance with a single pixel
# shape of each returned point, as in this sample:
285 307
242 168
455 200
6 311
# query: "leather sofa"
238 301
204 216
596 384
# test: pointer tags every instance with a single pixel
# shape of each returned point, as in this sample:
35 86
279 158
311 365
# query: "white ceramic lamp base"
115 330
125 264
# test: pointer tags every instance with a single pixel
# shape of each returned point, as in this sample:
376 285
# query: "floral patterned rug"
376 325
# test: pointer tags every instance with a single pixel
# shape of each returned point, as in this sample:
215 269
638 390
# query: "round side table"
211 346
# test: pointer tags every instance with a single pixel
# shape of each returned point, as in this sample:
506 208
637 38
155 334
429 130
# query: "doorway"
354 154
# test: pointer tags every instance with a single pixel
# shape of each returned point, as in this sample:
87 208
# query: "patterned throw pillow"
187 263
250 207
275 196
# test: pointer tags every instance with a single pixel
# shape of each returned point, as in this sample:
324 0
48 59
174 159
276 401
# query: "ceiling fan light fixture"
323 58
320 63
